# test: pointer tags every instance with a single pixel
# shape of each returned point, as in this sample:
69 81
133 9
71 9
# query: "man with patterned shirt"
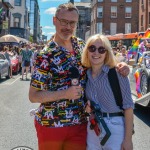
60 120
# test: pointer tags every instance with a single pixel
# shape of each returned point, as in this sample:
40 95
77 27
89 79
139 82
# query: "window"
141 20
149 18
128 11
113 0
16 22
99 27
17 2
128 1
100 12
100 0
113 28
127 27
113 11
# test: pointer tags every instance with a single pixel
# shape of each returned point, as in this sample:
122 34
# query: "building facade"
5 7
84 19
114 16
25 19
34 20
19 19
144 15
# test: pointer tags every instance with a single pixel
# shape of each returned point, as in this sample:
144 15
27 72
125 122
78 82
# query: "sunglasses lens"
101 50
92 48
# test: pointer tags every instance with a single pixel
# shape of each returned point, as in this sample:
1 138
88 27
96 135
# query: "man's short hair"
69 6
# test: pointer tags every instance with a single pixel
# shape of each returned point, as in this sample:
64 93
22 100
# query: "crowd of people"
26 55
121 51
69 74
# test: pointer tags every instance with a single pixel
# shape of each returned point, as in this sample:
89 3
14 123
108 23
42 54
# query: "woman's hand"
127 145
123 68
88 107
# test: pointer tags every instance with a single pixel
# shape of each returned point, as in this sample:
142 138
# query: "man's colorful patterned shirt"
52 73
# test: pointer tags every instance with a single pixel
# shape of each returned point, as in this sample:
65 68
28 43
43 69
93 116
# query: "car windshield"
1 56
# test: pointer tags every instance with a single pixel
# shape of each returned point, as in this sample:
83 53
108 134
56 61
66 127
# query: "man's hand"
74 92
123 69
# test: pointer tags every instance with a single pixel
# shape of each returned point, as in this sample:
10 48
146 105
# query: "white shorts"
116 127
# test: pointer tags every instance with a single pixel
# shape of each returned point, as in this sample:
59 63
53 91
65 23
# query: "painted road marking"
10 83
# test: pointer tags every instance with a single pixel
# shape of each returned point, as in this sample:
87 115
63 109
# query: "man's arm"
39 96
123 69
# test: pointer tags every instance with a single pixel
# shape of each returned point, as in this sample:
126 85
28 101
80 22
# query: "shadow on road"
3 80
142 113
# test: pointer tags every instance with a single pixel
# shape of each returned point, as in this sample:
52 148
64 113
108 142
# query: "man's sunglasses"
93 48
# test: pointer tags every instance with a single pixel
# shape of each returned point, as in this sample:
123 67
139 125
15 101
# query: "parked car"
15 64
139 78
4 67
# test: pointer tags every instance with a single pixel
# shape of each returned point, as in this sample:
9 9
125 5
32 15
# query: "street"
17 127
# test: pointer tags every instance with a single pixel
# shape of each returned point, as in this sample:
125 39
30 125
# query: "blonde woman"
99 58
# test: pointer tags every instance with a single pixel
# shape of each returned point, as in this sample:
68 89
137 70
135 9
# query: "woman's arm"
127 142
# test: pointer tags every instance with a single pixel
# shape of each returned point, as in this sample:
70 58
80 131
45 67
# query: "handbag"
26 63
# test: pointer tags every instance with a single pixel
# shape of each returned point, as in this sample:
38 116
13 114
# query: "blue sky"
47 10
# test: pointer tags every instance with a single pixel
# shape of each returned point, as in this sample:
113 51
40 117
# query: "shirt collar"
53 44
105 69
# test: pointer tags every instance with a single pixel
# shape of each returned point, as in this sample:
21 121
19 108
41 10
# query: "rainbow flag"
147 34
1 10
137 76
134 48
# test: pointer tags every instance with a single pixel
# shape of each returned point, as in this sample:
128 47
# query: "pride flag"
137 76
1 10
134 48
147 34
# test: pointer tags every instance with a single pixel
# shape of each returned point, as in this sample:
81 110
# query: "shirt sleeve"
126 92
41 75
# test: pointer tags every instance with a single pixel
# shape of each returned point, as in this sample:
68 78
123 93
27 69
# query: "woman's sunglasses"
93 48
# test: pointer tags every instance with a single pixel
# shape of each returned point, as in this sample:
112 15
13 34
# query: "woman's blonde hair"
110 59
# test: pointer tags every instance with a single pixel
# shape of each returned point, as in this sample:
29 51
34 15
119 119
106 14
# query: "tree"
31 39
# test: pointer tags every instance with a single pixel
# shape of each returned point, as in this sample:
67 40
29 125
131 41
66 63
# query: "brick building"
144 15
114 16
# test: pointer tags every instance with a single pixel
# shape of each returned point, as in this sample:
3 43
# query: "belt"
112 114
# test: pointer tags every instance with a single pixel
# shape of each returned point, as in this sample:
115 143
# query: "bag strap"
115 86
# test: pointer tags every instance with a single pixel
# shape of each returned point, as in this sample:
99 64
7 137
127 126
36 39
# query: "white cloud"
50 11
43 33
49 27
51 33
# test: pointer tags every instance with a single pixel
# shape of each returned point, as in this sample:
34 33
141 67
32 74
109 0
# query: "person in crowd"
114 50
26 56
32 60
98 57
118 50
8 54
37 51
58 83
